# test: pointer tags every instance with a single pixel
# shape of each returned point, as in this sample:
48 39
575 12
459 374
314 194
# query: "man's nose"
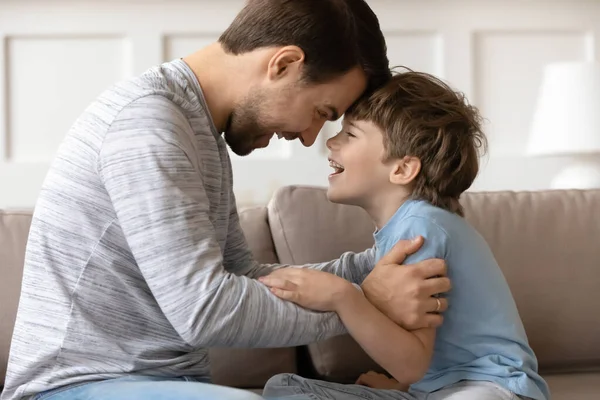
309 136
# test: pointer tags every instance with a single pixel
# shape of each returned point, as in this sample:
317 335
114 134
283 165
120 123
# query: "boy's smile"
356 156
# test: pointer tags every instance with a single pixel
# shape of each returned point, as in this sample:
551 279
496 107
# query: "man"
136 263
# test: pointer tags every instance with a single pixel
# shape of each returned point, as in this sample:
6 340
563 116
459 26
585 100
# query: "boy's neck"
382 207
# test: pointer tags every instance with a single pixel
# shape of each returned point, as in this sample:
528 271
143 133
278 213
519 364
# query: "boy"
405 155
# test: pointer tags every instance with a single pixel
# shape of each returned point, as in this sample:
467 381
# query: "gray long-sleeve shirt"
136 262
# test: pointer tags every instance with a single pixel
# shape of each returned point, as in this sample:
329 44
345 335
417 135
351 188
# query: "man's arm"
159 197
237 257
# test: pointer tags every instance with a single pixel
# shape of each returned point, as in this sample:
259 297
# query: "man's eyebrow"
334 112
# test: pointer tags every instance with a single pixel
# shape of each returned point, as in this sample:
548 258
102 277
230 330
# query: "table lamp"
566 123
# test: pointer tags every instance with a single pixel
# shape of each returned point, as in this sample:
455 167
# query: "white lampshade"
567 117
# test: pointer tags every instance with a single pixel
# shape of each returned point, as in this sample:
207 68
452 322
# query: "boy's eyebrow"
352 124
334 112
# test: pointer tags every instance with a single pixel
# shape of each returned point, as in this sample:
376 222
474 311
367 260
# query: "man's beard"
245 126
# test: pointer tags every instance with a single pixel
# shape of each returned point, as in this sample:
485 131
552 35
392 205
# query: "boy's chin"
335 197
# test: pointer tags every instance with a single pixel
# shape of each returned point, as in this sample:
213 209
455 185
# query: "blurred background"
57 55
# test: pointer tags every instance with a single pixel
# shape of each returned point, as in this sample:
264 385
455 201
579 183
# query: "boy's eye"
349 134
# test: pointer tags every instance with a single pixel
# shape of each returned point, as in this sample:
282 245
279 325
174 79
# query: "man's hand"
379 381
309 288
404 292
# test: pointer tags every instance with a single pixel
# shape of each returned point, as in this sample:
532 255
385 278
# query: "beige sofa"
547 243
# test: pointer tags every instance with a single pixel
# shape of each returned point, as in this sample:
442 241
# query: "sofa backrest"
14 229
547 244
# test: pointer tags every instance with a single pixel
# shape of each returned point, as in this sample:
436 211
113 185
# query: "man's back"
86 310
482 337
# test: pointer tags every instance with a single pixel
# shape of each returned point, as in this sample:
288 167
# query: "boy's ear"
287 60
405 170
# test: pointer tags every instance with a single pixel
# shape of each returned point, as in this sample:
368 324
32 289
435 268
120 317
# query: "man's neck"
220 80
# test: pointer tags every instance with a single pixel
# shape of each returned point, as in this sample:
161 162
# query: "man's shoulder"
159 85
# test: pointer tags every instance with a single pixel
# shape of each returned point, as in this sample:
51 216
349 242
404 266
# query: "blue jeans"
147 388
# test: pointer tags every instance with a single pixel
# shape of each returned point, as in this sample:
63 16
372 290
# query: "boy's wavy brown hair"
423 117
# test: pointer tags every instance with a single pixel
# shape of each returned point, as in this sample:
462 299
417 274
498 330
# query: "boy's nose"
330 143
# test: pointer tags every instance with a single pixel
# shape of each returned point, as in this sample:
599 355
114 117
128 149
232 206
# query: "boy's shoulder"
416 218
425 213
419 217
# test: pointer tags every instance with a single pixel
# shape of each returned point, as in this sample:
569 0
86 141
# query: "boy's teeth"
338 168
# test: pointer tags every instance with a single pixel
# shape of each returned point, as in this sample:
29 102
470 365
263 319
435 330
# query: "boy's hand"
404 292
312 289
379 381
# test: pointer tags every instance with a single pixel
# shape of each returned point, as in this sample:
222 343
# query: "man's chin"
242 151
240 148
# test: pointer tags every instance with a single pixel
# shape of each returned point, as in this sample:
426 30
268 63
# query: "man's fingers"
401 250
432 267
432 305
435 286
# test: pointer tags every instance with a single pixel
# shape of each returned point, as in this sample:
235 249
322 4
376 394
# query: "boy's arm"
406 355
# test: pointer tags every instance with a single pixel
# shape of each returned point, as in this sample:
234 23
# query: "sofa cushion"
583 386
307 228
547 246
14 228
545 242
251 368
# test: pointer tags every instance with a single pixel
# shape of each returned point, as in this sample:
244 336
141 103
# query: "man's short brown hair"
335 35
421 116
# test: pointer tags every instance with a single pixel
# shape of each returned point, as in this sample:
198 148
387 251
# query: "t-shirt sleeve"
162 207
436 244
353 267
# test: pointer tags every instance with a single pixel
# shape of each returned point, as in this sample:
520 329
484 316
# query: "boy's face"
357 154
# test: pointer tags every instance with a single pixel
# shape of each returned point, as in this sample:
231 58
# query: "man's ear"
286 61
405 170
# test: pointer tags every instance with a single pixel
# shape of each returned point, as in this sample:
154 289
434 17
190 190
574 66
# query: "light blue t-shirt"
482 337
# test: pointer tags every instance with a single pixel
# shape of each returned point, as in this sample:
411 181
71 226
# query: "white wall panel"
57 55
417 50
50 81
508 69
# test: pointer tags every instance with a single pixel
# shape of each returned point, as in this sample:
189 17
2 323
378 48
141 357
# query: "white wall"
56 56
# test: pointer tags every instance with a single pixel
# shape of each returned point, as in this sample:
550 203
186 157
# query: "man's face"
292 109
